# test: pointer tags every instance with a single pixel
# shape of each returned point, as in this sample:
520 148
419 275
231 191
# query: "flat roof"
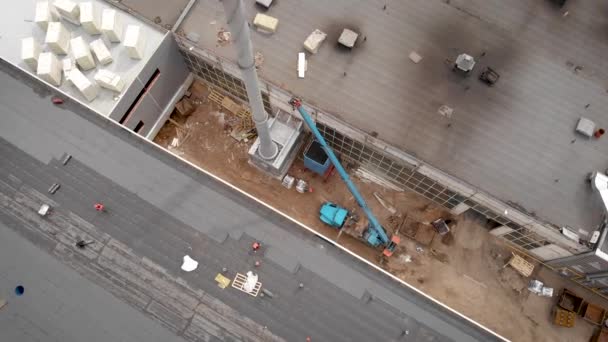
18 24
160 208
59 304
515 140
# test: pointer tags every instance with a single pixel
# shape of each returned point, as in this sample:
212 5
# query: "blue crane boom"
378 236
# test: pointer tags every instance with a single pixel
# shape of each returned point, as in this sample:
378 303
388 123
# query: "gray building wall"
588 269
173 73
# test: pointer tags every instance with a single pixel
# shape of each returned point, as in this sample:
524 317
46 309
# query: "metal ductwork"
239 30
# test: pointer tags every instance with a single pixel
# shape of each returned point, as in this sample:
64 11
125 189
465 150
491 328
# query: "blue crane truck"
336 216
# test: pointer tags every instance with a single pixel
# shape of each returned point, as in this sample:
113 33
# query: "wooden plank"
230 105
222 281
216 97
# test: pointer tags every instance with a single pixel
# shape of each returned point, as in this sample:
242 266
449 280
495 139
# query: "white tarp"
189 264
252 280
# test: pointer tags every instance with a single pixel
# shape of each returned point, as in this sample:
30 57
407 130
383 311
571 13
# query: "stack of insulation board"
58 38
87 88
30 51
89 18
49 68
82 54
135 42
45 13
109 80
101 51
69 10
111 26
67 64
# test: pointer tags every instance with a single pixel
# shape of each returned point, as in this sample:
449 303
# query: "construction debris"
83 243
223 37
2 303
268 293
184 107
385 204
368 177
302 186
258 59
288 181
406 258
445 111
537 287
54 188
415 57
224 101
189 264
183 133
243 129
193 37
66 159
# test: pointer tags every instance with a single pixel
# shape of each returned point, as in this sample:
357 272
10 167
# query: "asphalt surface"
160 209
515 140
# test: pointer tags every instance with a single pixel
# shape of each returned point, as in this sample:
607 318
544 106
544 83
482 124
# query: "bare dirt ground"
464 270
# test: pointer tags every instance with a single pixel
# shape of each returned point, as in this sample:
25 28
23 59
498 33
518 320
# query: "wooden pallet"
227 103
564 318
239 284
521 265
216 97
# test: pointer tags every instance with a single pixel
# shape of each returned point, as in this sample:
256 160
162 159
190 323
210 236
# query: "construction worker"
255 246
99 207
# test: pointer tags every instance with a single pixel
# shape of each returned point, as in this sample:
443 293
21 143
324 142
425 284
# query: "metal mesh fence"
214 75
406 176
398 172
